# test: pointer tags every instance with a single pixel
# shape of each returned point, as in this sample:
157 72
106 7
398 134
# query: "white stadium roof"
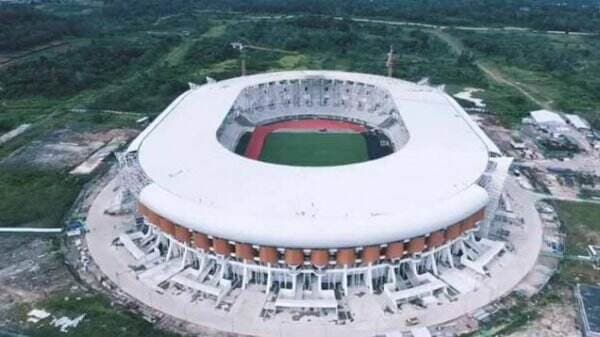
428 184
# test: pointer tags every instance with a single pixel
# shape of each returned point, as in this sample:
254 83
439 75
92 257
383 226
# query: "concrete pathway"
506 272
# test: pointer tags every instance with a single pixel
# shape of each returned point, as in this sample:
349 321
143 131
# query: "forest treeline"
572 15
21 26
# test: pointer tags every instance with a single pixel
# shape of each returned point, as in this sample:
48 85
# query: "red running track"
260 134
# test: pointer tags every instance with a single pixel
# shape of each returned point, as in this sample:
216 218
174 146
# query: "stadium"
307 186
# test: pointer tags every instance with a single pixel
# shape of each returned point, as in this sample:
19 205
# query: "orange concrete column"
416 245
471 222
480 215
244 251
467 224
370 254
294 257
182 234
167 226
152 217
346 257
453 232
395 251
268 255
222 247
319 257
201 241
436 239
143 210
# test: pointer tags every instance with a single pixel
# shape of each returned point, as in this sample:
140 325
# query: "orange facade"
201 241
320 258
167 226
222 247
395 251
436 239
268 255
244 251
453 232
182 234
294 257
370 254
416 245
346 257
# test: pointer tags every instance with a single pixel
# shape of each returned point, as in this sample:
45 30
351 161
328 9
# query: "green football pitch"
314 149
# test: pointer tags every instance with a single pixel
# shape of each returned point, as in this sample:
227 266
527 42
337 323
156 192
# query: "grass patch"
581 222
508 320
101 320
36 198
314 149
507 103
11 118
292 62
572 272
561 70
176 55
216 31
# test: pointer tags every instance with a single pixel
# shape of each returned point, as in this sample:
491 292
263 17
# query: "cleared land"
314 149
581 223
101 319
34 198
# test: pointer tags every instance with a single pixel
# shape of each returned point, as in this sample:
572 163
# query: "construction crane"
242 48
389 63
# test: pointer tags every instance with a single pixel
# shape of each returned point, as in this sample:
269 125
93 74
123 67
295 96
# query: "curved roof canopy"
428 184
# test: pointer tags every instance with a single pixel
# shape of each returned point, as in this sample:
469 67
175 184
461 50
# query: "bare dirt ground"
63 148
499 134
31 268
556 320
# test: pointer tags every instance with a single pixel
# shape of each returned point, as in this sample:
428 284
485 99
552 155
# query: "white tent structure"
578 122
547 118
